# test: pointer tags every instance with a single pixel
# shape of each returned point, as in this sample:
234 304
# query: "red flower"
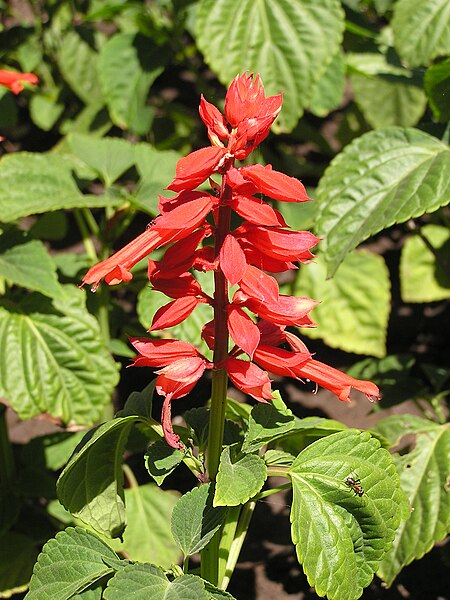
249 378
13 81
195 168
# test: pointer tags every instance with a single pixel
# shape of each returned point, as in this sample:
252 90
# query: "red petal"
243 98
194 168
187 216
183 285
289 310
232 260
174 313
243 330
249 378
159 353
180 257
166 421
13 80
279 361
257 211
275 184
278 243
258 285
214 121
337 382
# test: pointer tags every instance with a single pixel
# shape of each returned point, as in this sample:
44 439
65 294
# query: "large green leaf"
354 305
424 475
69 563
91 484
329 89
383 177
54 360
289 42
195 520
385 93
239 478
78 60
341 536
421 30
423 277
145 581
29 265
35 183
147 536
129 63
109 157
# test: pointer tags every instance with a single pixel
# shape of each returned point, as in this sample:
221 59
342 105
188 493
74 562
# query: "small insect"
354 484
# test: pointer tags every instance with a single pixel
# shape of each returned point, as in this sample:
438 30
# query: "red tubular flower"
14 81
288 310
277 243
249 378
159 353
279 361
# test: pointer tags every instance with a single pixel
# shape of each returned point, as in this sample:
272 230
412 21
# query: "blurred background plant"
365 126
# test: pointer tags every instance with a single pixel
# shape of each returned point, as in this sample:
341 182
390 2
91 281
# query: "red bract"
14 81
260 243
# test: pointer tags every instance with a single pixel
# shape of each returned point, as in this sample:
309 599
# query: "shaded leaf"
91 484
354 309
329 89
161 460
18 554
437 88
423 277
424 477
382 178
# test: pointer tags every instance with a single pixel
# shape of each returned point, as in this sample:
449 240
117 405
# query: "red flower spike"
249 378
257 211
259 286
279 361
335 381
13 80
174 313
275 184
214 121
232 260
195 168
160 353
243 330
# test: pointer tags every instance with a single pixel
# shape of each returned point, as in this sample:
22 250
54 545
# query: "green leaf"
341 536
77 60
109 157
424 477
217 594
306 431
29 265
145 581
45 109
382 178
267 422
156 169
385 93
54 361
239 477
147 536
18 554
421 30
289 43
129 63
423 277
69 563
195 520
437 88
354 306
36 183
161 460
330 87
91 485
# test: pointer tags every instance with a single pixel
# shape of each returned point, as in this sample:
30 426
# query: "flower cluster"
243 258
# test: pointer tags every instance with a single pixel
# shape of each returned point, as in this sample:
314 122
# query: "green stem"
85 234
228 534
236 546
6 455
